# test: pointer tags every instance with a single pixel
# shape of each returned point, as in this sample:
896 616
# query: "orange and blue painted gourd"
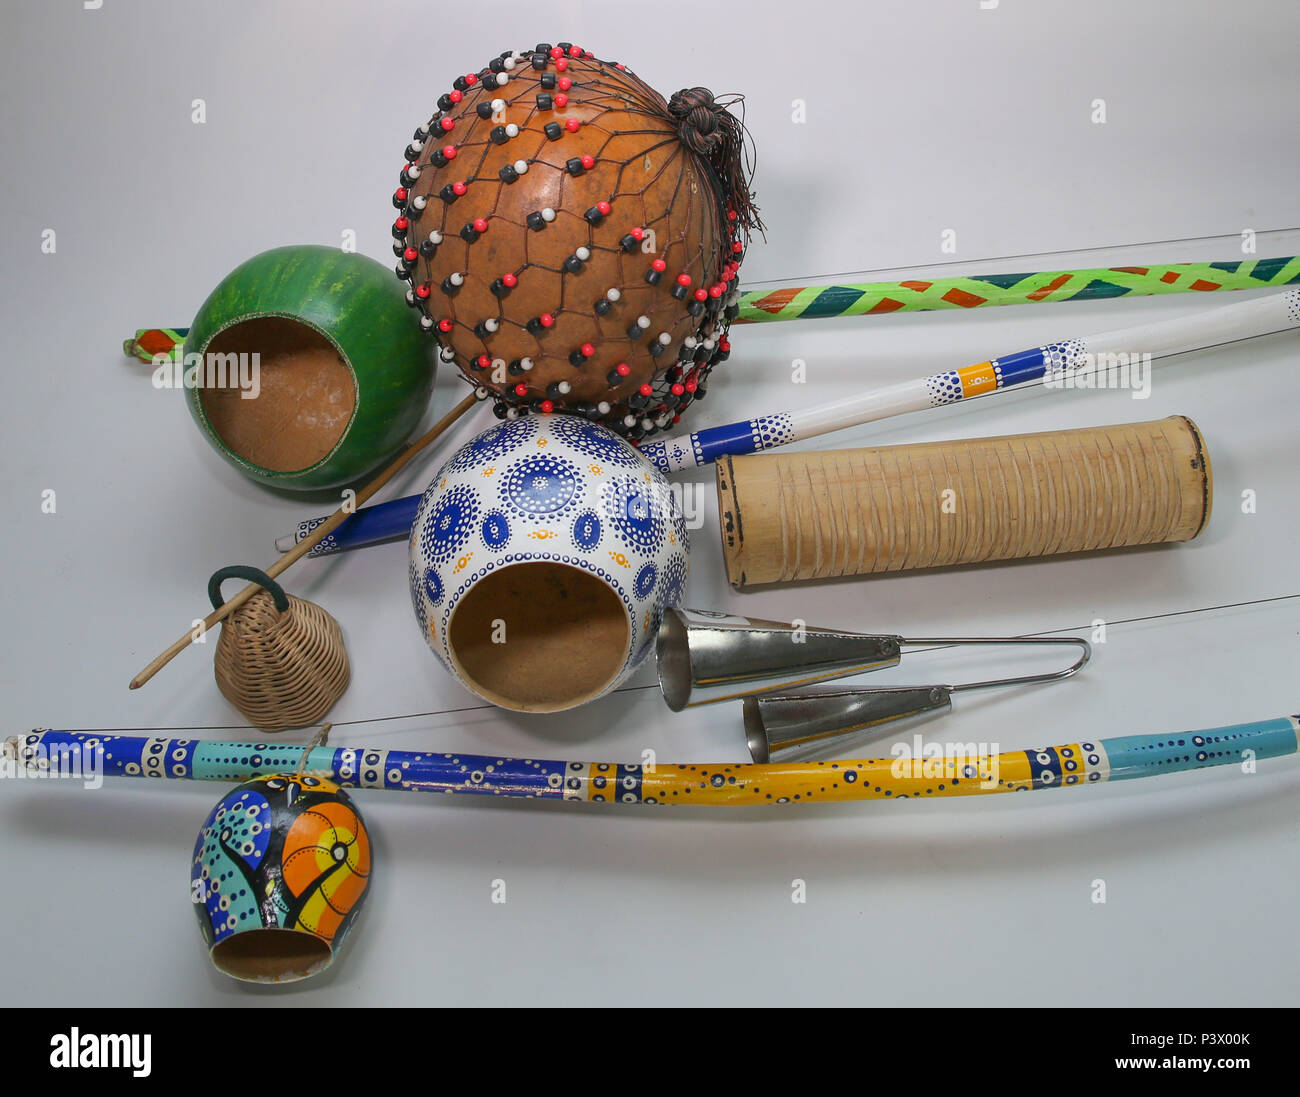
281 852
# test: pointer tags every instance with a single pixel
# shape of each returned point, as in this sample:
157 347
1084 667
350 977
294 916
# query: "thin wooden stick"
304 546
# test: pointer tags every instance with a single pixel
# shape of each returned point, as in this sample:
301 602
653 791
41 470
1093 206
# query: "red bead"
646 390
447 124
562 64
401 224
587 350
410 255
556 53
638 234
471 78
677 390
561 101
547 407
725 344
521 389
422 291
575 51
737 247
589 162
676 419
564 83
480 224
683 279
445 326
449 151
622 369
400 194
572 125
701 295
547 320
509 280
483 361
732 215
691 385
715 292
659 265
604 207
456 95
458 187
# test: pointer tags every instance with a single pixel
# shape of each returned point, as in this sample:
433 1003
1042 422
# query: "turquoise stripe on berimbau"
832 301
1147 755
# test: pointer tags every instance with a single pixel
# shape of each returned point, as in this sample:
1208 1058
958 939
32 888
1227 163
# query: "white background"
920 117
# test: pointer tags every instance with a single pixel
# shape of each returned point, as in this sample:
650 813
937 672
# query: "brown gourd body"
664 203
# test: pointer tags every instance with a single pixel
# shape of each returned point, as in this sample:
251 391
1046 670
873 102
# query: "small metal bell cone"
827 722
705 657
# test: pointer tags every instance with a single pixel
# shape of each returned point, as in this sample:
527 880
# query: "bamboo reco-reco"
790 517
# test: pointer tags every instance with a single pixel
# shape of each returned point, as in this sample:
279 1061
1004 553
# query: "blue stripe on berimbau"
1044 767
1024 365
714 442
629 784
1145 755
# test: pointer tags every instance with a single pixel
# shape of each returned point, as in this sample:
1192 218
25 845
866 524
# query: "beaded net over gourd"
573 240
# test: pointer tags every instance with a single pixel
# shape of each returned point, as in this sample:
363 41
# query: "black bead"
508 173
497 64
629 243
498 135
653 276
590 411
554 130
566 46
697 308
515 368
403 273
671 401
438 158
613 380
444 102
594 216
399 248
399 203
635 331
499 288
539 61
448 286
469 233
481 330
637 402
573 264
544 101
412 153
535 221
499 410
680 291
701 393
603 306
672 375
544 48
547 80
399 234
731 312
553 390
427 248
576 358
657 348
448 195
574 165
460 83
534 326
484 111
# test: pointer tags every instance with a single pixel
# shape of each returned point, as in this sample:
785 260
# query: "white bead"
665 338
413 172
525 364
435 237
521 166
646 424
583 253
503 79
512 130
613 294
643 322
508 63
417 146
481 393
548 214
629 420
457 279
447 354
419 201
689 342
410 297
512 413
564 387
491 323
709 343
498 105
426 322
603 408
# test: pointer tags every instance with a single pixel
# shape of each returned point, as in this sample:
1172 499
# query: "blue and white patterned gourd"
552 489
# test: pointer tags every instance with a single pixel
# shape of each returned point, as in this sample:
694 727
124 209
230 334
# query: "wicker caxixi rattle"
280 660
